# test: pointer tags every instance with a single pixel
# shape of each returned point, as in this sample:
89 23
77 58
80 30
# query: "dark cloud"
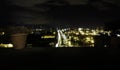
32 2
64 16
72 2
25 11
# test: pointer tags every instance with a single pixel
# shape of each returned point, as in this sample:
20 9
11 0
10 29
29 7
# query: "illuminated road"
59 39
62 39
71 39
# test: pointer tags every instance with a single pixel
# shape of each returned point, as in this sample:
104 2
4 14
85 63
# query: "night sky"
77 13
72 2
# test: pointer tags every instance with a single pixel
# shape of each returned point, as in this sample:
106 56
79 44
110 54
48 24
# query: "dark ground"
80 57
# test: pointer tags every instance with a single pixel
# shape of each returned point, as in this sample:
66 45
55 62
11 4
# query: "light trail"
64 38
59 43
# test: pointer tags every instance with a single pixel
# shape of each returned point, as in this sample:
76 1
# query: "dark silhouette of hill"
113 25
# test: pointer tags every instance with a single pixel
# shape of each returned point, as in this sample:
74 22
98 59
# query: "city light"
68 37
54 32
47 37
92 41
118 35
80 29
74 37
2 33
10 45
6 45
79 37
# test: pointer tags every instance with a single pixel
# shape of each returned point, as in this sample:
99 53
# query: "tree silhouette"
113 26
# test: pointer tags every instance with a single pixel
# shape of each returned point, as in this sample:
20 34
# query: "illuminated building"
66 37
82 37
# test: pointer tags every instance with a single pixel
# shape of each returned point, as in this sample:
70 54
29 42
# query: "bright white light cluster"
6 45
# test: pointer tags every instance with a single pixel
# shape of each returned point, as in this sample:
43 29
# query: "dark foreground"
103 57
